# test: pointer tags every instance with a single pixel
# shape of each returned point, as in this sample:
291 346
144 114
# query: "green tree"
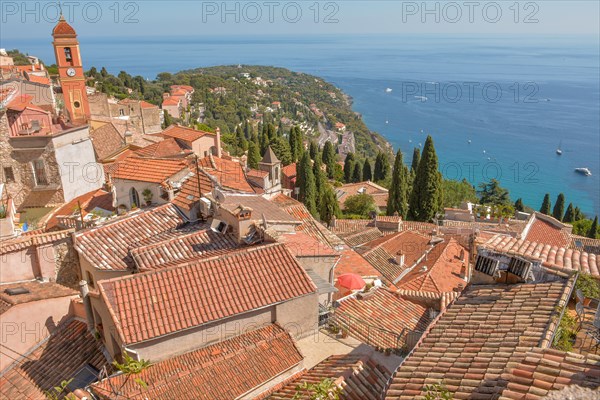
457 192
329 159
357 172
519 205
360 204
398 194
168 121
426 199
367 174
348 167
545 208
323 390
382 167
253 155
320 178
281 148
493 194
313 149
559 207
329 206
569 214
295 140
593 229
306 183
415 160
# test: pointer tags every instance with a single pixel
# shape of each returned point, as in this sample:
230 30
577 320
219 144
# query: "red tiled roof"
289 170
544 232
360 377
302 245
22 102
164 149
186 88
201 242
58 357
549 255
107 247
474 339
37 291
145 306
171 101
24 241
38 79
442 272
145 104
88 201
421 227
154 170
379 193
352 262
381 318
228 173
183 133
63 29
106 141
542 371
261 208
382 252
223 371
362 237
256 173
350 226
586 244
188 194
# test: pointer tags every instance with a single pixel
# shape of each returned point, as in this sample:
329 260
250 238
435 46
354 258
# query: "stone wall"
68 271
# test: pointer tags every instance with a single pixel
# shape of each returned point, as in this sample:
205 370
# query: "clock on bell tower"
70 70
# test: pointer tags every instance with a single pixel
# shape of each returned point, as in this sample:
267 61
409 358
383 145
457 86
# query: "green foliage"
349 167
329 206
566 332
329 159
426 199
519 205
592 233
437 391
360 204
18 57
415 160
253 155
382 167
306 183
58 392
131 366
147 194
323 390
281 148
367 174
398 194
296 143
168 121
589 285
357 172
582 227
546 205
493 194
569 214
456 192
559 207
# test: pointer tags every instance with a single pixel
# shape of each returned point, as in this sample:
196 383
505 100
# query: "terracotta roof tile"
154 170
585 244
183 133
381 318
352 262
223 371
107 247
37 291
58 357
360 377
168 148
361 237
89 202
188 194
229 174
472 342
542 231
24 241
106 141
260 206
188 296
302 245
289 170
549 255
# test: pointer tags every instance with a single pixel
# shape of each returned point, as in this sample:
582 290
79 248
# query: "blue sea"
515 98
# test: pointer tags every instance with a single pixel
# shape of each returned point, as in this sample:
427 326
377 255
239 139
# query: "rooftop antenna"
60 9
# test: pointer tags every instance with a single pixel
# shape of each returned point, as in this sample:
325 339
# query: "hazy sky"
31 19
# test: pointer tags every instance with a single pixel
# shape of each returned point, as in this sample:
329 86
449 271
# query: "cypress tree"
281 148
426 199
382 167
569 214
415 160
357 172
320 179
367 175
253 155
559 207
593 229
545 208
314 149
398 194
329 205
519 205
348 167
307 185
329 159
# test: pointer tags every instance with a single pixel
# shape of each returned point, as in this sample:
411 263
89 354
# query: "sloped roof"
37 291
270 157
153 170
63 29
585 244
106 141
222 371
201 242
547 230
381 318
167 148
228 173
189 194
187 296
24 241
183 133
473 341
549 255
302 245
360 377
289 170
107 247
89 202
361 237
58 357
260 206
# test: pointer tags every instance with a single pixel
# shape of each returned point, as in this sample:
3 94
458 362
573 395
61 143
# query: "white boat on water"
558 149
584 171
388 90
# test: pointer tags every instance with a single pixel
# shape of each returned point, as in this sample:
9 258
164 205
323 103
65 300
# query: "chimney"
400 258
218 132
462 255
128 137
85 296
333 222
463 271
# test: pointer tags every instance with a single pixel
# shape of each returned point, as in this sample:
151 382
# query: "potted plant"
147 194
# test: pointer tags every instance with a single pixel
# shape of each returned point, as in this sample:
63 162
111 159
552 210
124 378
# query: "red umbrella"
351 281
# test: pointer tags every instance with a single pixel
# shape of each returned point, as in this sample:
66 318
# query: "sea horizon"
550 94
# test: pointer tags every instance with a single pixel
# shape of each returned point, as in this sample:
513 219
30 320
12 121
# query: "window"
68 54
39 173
9 175
134 198
121 112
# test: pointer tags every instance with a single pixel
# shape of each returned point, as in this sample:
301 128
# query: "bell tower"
70 70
